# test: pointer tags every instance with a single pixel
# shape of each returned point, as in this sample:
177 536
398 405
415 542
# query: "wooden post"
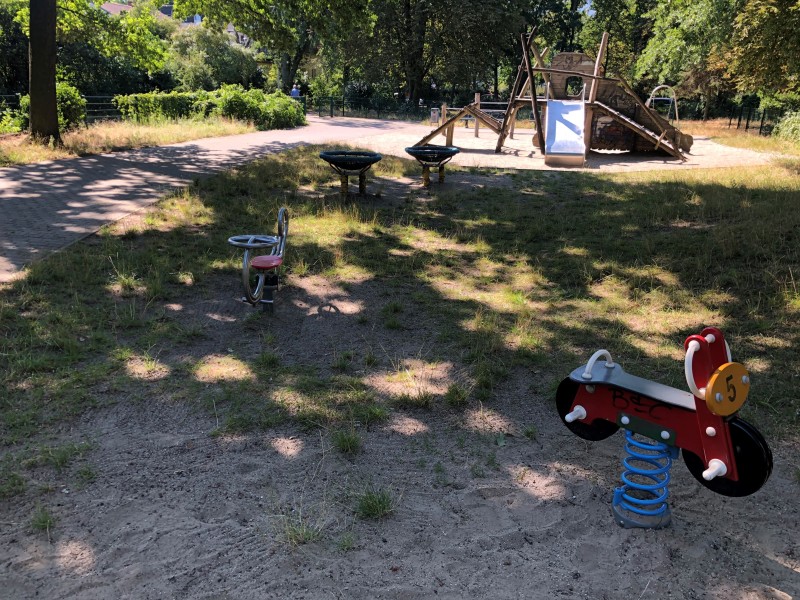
518 89
534 101
449 135
478 105
540 64
593 93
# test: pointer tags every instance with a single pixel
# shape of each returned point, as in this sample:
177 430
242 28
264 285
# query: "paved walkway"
47 206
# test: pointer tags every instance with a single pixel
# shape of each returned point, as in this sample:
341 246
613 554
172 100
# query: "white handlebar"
587 374
694 346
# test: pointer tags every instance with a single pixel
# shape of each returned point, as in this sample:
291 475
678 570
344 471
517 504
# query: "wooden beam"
624 85
587 124
442 127
566 72
518 89
481 116
534 102
642 131
600 56
540 64
477 105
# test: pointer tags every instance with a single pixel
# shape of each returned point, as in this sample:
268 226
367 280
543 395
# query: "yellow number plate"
727 389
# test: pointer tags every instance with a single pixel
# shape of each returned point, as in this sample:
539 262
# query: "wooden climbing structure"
615 117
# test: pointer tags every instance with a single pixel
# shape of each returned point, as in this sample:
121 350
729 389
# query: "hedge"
265 111
788 128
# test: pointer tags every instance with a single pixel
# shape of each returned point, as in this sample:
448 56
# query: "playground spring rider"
722 451
265 265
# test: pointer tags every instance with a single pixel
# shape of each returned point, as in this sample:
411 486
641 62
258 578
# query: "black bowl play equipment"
351 162
431 155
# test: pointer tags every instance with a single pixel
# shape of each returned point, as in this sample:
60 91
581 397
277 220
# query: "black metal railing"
9 102
101 108
379 108
750 117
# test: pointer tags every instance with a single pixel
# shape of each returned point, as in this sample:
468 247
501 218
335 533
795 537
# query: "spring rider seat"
721 450
263 256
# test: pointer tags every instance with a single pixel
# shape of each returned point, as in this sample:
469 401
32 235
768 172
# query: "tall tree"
628 27
42 70
689 37
765 53
14 53
289 28
46 21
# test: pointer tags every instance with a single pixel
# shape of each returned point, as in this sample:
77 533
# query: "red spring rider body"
723 452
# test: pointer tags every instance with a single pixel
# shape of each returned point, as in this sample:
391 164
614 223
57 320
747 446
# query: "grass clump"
42 520
299 530
110 136
346 441
456 395
420 399
374 504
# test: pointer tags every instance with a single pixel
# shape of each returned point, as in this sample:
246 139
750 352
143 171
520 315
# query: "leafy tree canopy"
765 54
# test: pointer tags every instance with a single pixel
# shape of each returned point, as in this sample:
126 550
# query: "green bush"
10 120
156 105
788 128
265 111
71 108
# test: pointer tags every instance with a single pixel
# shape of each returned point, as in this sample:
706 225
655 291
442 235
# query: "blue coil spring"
641 501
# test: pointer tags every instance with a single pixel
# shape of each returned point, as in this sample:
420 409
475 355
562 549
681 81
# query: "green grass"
346 441
456 395
108 136
374 504
418 399
42 520
535 274
299 530
725 132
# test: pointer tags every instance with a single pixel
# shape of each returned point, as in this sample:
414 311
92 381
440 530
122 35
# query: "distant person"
295 93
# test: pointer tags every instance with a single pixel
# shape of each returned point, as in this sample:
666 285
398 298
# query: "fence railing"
101 108
9 102
380 108
752 117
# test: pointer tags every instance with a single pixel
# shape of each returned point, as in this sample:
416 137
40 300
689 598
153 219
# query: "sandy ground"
520 152
480 509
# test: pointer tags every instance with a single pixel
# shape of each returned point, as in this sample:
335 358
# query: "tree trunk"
290 63
42 71
496 80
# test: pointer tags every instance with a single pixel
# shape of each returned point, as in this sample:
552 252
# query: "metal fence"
754 118
101 108
98 108
8 103
379 108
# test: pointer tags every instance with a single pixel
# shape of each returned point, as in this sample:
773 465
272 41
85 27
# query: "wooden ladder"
659 141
